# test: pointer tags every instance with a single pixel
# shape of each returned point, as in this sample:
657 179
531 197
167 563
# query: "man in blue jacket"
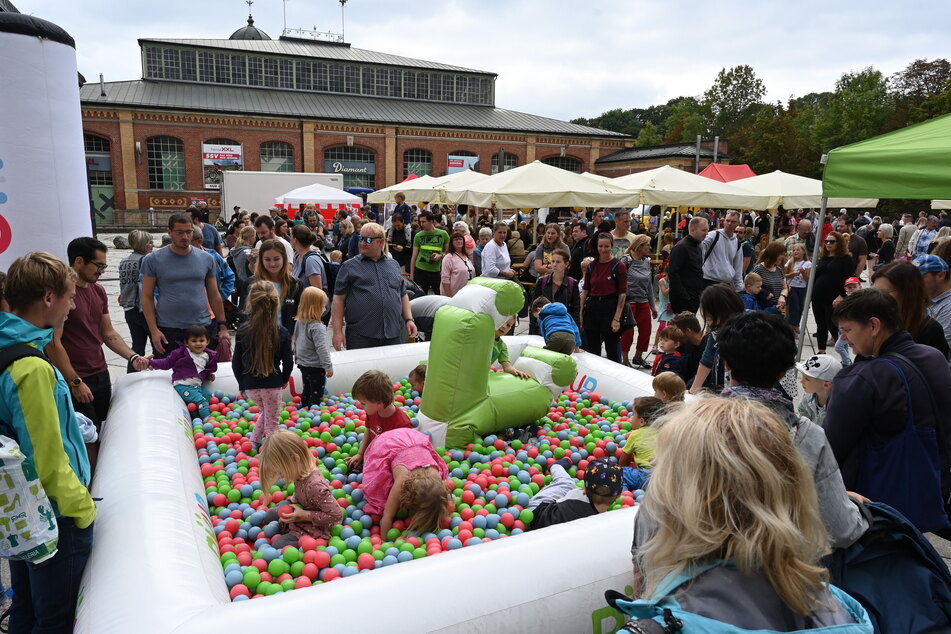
869 408
37 412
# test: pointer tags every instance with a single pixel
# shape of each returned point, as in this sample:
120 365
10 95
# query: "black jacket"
578 252
685 272
283 363
289 308
868 405
830 277
551 513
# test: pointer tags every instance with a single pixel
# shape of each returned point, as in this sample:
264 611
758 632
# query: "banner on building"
456 163
216 159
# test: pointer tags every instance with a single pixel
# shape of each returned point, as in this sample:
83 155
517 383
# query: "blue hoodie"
36 410
554 317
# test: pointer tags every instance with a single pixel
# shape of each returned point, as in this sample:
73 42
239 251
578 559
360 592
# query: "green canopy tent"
911 163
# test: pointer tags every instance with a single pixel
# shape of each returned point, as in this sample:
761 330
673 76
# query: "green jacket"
36 410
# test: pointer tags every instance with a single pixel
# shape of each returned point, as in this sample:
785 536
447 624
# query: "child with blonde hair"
263 358
403 471
311 347
285 456
669 387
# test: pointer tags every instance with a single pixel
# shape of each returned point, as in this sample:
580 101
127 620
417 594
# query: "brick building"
304 105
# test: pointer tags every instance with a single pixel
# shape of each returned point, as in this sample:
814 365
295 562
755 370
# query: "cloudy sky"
558 58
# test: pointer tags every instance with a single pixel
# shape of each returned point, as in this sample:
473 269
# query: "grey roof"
287 103
7 5
659 151
318 49
250 32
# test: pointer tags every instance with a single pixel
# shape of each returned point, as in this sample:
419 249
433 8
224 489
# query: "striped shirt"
374 290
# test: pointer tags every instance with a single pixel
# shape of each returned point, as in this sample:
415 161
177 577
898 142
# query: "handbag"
905 472
627 318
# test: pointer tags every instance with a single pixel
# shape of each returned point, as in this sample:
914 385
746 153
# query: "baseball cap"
821 366
931 264
603 478
853 280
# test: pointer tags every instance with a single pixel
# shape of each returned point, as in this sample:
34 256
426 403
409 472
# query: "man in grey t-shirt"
186 281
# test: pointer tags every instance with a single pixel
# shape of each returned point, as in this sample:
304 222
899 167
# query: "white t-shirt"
799 281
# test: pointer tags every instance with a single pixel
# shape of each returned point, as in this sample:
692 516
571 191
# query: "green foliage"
790 137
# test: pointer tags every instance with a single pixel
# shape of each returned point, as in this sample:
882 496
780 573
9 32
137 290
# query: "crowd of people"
289 290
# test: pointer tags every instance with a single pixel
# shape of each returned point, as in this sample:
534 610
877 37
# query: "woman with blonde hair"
735 508
640 297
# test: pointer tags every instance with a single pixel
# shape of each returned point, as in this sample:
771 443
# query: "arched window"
277 156
419 162
508 162
96 144
357 164
166 159
221 141
564 162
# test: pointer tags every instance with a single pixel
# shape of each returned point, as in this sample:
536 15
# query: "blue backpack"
664 614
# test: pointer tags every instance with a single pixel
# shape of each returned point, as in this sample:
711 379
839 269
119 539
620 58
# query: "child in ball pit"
191 364
669 387
641 440
263 358
402 470
311 346
562 501
417 378
500 351
285 456
374 390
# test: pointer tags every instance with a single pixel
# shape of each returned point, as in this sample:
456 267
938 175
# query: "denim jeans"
44 595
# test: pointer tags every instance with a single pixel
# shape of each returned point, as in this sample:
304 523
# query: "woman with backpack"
308 266
238 260
558 286
738 535
602 301
640 297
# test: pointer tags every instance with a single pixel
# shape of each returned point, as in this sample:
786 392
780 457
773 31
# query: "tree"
730 101
920 80
772 140
685 121
649 135
934 106
858 109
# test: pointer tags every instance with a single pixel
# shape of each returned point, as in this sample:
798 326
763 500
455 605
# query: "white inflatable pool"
155 566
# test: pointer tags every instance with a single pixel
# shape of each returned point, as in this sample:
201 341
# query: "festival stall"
327 200
672 187
725 173
156 568
387 194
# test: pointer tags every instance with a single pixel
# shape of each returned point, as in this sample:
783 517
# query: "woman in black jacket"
557 286
834 267
902 281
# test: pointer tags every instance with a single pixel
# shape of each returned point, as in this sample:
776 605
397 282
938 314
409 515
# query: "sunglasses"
367 239
831 241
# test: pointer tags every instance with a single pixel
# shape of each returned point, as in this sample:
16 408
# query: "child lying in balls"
562 501
313 511
191 364
401 470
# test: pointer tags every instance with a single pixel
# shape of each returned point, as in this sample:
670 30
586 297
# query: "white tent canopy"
941 204
435 192
539 185
411 188
319 195
796 192
670 186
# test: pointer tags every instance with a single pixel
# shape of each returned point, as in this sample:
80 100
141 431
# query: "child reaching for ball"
639 448
311 348
191 364
314 511
500 351
375 392
263 358
562 500
403 471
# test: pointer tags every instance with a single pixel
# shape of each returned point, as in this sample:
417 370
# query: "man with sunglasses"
76 349
370 296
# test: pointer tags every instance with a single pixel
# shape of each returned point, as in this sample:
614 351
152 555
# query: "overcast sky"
557 58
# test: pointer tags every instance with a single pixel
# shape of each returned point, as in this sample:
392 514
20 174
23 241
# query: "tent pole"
803 321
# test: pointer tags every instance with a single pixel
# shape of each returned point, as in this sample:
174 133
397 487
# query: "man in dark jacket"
579 249
868 408
685 268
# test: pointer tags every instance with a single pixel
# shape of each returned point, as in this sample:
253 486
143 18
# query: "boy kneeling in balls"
556 326
374 390
562 501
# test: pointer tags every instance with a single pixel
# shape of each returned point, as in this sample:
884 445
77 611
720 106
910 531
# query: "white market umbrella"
318 194
387 194
673 187
539 185
939 204
796 192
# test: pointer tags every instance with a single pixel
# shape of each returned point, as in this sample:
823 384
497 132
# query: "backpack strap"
921 377
713 245
16 352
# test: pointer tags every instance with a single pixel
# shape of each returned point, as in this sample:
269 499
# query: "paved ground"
117 366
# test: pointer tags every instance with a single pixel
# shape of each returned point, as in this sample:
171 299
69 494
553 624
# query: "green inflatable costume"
462 397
